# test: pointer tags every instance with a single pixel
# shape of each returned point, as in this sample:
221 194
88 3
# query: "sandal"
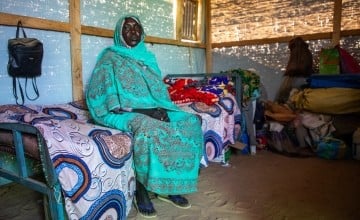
176 200
145 210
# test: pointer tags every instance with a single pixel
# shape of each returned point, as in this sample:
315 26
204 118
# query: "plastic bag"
331 148
329 61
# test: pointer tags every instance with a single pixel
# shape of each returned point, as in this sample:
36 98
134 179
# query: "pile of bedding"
329 94
213 99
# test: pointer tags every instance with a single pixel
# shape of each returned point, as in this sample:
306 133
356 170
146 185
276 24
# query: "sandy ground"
266 186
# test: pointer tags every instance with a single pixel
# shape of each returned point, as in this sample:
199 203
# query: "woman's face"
131 32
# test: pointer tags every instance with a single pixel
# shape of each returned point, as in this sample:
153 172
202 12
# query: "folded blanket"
327 100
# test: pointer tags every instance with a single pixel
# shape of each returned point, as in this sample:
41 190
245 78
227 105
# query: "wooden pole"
336 23
208 40
75 48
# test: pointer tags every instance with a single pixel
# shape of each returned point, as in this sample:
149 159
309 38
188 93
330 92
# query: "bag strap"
33 81
18 84
15 91
19 25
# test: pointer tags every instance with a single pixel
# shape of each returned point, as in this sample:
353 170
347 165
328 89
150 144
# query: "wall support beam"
208 40
336 34
75 48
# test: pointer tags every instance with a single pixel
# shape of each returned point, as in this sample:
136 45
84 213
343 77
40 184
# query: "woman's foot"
176 200
143 203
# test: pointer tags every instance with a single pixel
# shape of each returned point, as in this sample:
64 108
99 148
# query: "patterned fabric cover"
220 125
93 163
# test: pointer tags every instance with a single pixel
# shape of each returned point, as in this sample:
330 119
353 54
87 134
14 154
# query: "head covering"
139 53
118 37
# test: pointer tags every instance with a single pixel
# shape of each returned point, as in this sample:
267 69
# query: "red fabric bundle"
181 91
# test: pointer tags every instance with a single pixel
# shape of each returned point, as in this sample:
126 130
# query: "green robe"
166 154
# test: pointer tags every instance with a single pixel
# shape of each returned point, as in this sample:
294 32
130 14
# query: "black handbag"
157 113
25 58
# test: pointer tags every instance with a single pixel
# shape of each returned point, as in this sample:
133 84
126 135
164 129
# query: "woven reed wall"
236 20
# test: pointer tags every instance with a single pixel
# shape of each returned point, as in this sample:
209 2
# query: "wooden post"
75 49
336 23
179 19
208 40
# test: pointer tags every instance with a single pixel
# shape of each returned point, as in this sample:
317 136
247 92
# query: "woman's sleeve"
101 95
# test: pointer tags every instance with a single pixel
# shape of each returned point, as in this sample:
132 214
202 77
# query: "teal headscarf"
118 72
139 52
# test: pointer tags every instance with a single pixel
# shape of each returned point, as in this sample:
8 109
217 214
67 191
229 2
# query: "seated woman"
126 92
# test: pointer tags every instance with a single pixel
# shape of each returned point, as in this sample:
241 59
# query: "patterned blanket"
93 163
220 124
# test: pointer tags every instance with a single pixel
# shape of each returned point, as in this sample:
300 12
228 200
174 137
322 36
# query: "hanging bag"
25 57
329 61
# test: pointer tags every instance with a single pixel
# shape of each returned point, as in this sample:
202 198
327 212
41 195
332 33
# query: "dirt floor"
266 186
